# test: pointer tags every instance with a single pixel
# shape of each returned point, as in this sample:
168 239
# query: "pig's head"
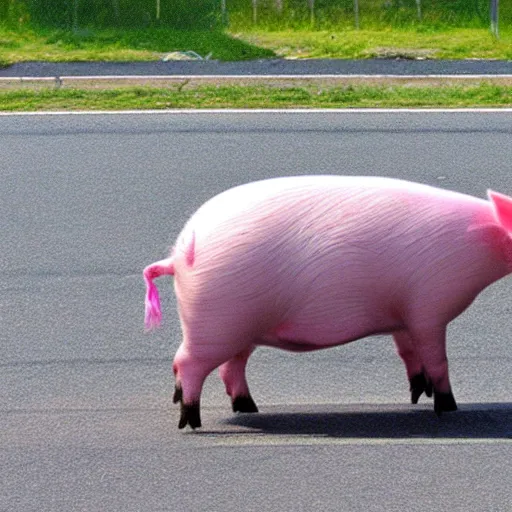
499 233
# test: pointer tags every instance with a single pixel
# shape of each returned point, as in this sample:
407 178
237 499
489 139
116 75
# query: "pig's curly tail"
153 313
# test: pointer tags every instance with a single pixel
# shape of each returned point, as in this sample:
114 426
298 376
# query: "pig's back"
346 209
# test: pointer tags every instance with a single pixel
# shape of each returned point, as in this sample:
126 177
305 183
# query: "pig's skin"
304 263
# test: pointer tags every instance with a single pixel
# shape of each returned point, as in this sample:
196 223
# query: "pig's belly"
305 338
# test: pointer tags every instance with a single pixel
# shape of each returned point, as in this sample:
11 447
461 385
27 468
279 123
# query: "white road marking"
505 110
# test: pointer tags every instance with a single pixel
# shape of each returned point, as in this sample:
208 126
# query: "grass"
467 43
345 43
412 41
312 96
120 45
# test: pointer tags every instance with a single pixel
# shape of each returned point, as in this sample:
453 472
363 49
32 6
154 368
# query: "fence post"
495 18
75 15
115 8
311 11
223 13
4 10
356 13
418 9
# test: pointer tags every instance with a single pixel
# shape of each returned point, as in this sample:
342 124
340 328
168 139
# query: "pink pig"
304 263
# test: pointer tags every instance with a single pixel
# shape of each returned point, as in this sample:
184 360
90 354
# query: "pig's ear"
502 208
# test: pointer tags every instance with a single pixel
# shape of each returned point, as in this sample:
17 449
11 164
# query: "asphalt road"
86 419
263 67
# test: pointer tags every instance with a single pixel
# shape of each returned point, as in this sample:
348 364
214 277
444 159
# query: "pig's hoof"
244 404
444 402
419 384
190 415
189 412
178 394
429 390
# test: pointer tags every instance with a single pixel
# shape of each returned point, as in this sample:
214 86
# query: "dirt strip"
180 82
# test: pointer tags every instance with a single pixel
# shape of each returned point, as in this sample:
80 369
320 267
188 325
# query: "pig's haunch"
304 263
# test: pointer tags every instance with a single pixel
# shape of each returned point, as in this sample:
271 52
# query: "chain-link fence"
73 14
269 14
279 14
354 12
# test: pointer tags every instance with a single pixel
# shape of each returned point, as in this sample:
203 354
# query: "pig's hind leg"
418 381
193 362
232 374
190 373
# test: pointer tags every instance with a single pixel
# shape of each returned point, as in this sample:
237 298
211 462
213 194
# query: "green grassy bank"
466 43
154 44
64 30
120 45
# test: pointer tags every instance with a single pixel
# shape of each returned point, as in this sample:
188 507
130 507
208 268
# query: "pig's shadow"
475 421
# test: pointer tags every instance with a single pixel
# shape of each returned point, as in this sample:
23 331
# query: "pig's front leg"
419 384
418 381
430 344
232 374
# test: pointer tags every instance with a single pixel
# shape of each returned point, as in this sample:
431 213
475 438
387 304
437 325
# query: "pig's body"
305 263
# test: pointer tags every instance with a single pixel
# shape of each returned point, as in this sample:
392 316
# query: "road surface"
264 67
86 419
